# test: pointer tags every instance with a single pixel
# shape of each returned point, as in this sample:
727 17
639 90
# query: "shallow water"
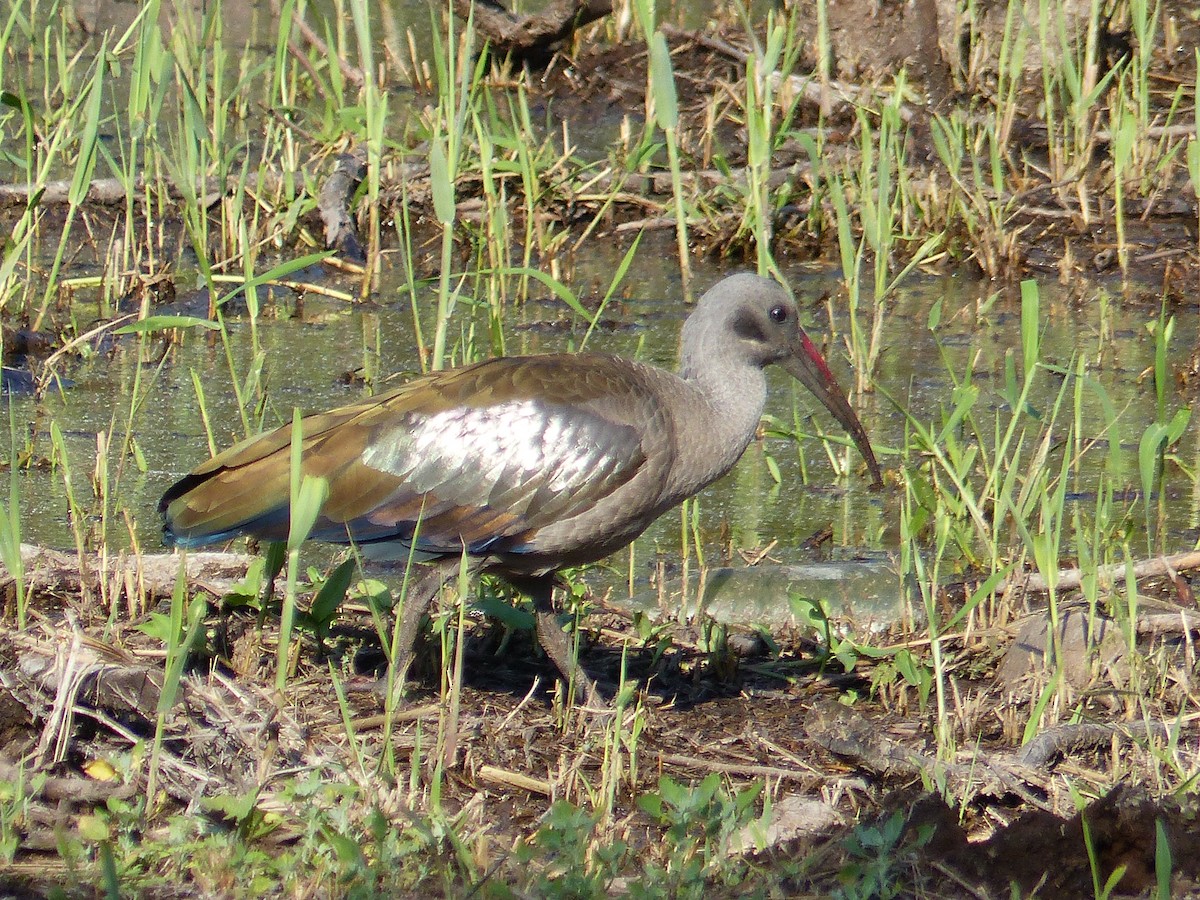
309 349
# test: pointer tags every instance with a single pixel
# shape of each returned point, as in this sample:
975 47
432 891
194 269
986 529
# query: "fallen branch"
1063 740
603 184
353 74
849 735
113 190
57 678
1067 579
807 86
534 35
1175 621
507 778
749 770
654 223
69 788
333 203
146 574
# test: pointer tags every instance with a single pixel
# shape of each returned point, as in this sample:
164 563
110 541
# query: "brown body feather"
501 457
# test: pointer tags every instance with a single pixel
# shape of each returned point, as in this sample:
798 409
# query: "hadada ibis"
525 464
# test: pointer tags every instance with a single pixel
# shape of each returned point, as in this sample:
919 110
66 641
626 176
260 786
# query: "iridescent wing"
480 457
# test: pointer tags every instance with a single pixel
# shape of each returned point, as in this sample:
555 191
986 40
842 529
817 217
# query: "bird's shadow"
509 661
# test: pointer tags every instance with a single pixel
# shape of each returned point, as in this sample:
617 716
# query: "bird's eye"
778 314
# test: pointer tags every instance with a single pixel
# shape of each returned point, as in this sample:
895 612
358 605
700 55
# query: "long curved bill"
808 367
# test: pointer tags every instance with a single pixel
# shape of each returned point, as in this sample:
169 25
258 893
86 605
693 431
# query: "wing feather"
481 457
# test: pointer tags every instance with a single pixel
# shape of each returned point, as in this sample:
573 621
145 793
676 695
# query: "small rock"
793 817
1083 660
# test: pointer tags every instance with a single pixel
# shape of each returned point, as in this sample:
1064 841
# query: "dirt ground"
834 756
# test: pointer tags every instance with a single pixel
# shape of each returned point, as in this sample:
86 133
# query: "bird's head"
754 320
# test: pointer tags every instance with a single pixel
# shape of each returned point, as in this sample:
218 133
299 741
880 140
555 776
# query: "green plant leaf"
662 78
234 807
1148 449
505 613
1178 424
560 290
652 805
325 604
156 626
1031 325
93 828
1162 861
306 508
276 273
166 323
935 315
440 183
978 595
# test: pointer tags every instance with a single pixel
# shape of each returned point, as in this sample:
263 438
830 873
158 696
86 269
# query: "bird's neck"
721 419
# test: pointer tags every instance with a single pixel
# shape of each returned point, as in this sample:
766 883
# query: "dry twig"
534 35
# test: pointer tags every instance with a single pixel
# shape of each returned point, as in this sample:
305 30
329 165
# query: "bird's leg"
425 583
555 641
